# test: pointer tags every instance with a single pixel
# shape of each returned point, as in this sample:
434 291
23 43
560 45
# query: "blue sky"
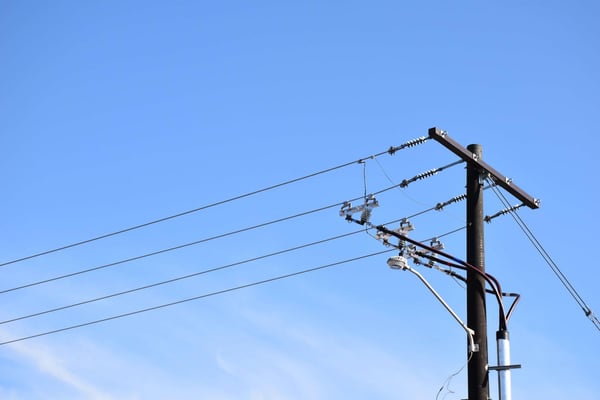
117 113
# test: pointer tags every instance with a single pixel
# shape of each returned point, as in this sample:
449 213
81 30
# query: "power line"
178 247
226 266
181 246
392 150
203 296
206 271
553 266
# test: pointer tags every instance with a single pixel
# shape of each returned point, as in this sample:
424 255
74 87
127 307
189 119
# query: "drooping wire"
553 266
404 193
392 150
203 296
448 380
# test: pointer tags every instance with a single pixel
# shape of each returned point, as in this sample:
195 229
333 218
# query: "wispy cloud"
52 365
308 362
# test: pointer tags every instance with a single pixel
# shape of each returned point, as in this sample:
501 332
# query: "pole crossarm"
442 137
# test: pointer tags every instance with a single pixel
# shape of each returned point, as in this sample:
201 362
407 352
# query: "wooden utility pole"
476 311
477 170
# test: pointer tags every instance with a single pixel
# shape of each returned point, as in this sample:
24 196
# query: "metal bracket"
505 367
405 227
370 203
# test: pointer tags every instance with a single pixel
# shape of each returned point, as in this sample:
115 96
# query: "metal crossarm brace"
442 137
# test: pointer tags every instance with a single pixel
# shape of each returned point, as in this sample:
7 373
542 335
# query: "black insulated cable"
464 279
489 278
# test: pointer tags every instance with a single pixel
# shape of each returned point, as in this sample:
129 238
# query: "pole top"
475 149
474 158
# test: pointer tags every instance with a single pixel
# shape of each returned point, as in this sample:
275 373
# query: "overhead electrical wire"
392 150
462 228
448 380
186 300
203 272
179 278
170 249
553 266
193 243
105 297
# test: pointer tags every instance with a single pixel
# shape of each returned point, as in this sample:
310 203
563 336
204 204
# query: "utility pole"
476 310
478 369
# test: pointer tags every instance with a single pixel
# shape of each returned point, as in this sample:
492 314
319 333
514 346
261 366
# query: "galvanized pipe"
504 374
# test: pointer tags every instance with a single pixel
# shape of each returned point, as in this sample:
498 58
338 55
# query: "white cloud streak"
49 364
